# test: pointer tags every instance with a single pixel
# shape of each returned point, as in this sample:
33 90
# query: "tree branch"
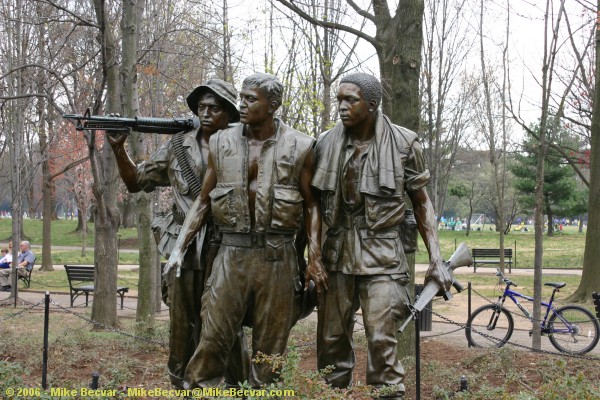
82 21
360 11
68 167
22 96
326 24
51 72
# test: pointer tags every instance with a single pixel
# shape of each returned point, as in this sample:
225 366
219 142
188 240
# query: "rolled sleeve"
416 174
154 171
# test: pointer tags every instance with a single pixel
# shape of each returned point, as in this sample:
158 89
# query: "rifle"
170 126
460 258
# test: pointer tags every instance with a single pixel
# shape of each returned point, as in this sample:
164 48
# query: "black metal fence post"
417 357
469 305
45 351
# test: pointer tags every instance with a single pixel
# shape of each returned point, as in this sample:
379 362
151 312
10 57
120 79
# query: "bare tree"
130 28
104 171
445 109
590 278
397 42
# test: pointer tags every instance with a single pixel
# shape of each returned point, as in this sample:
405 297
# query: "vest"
278 202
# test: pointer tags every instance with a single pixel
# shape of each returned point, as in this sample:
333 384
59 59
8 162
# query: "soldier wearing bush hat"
225 92
181 163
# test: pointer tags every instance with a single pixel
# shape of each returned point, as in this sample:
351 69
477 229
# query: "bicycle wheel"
573 329
489 326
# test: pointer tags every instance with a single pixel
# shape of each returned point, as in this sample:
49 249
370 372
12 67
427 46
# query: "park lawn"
63 235
62 232
564 250
56 281
62 257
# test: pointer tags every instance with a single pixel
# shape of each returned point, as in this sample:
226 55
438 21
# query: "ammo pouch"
408 232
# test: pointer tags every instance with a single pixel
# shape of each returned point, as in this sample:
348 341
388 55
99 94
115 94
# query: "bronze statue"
363 167
181 164
258 187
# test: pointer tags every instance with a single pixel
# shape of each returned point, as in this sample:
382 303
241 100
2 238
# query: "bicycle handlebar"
505 280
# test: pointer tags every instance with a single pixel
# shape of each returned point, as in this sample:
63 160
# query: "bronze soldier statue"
258 187
364 165
181 164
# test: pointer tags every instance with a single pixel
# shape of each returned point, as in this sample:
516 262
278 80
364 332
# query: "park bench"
491 257
596 297
27 277
78 275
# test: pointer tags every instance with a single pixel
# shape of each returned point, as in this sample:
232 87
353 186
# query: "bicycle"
571 329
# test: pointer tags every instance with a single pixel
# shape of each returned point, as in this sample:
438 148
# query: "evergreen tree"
561 191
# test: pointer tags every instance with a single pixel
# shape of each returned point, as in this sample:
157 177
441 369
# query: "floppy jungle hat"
223 90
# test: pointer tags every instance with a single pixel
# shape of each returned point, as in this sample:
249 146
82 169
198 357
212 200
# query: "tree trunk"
590 277
80 221
47 264
105 186
399 57
132 13
550 221
128 220
399 53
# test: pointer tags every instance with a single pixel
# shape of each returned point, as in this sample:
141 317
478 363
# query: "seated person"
6 259
25 264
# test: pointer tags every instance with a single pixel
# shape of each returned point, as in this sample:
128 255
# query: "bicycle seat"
557 285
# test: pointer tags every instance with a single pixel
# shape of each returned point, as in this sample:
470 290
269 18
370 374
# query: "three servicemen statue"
250 195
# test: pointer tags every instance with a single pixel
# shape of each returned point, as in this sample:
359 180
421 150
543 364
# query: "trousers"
185 295
383 301
243 276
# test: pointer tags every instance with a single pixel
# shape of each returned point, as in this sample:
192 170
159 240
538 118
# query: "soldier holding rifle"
364 165
181 164
258 187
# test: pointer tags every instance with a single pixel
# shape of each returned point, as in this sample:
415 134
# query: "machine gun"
460 258
169 126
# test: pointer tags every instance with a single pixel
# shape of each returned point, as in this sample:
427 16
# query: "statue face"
254 106
352 106
212 116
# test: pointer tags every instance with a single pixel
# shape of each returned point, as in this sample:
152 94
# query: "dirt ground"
445 356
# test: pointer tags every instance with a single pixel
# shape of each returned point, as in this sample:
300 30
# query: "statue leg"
383 300
336 316
273 314
223 308
185 293
238 362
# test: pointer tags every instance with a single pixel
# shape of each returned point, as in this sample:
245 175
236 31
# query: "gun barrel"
139 124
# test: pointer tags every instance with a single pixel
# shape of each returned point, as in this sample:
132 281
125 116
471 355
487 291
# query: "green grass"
486 283
62 232
564 250
56 281
64 235
75 257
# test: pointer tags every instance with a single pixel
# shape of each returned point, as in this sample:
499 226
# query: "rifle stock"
460 258
170 126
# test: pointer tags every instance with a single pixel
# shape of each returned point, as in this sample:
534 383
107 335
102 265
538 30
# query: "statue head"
368 84
268 84
224 93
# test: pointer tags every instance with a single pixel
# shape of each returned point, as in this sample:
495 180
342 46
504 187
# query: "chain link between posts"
19 313
464 326
88 320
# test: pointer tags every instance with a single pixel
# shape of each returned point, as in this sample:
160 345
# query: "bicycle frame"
514 295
